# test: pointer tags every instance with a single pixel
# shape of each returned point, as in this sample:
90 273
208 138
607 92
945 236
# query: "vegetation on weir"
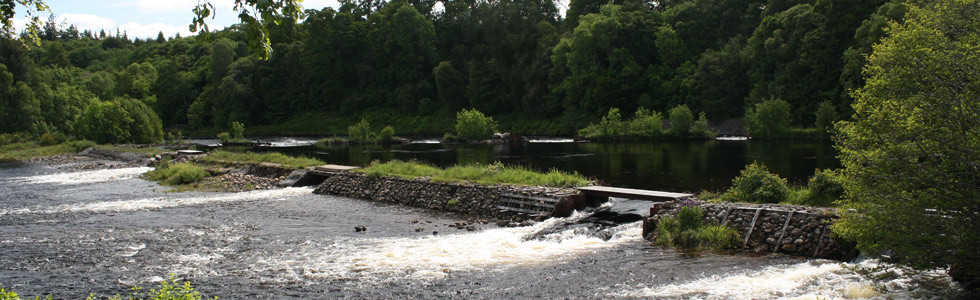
756 184
485 174
168 289
687 230
220 156
648 125
177 174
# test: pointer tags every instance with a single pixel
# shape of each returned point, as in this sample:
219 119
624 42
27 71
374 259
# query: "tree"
680 120
472 125
911 155
255 15
769 119
34 8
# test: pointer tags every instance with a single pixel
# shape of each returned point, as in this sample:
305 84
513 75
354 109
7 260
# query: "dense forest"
414 64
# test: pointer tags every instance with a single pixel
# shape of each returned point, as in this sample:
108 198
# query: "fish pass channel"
71 233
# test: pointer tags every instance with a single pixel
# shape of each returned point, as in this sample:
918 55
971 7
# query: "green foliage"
769 119
489 174
123 120
360 132
255 158
687 230
680 120
911 153
453 202
387 134
48 138
823 189
646 123
756 184
182 173
224 137
472 125
700 127
611 126
237 131
826 116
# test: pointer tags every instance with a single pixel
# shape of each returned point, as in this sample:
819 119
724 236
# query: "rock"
360 228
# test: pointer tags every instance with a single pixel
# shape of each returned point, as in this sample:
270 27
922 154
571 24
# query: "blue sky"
144 18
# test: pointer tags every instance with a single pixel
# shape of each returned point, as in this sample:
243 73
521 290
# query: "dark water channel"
686 166
69 233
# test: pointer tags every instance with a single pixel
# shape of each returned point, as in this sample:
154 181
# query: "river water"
71 233
679 166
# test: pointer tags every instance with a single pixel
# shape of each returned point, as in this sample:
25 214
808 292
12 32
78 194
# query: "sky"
143 18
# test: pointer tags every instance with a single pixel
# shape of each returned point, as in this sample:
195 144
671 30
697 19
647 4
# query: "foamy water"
434 257
808 280
550 141
172 200
85 176
426 141
732 138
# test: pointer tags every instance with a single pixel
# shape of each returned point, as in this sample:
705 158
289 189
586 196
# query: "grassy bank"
255 158
484 174
30 149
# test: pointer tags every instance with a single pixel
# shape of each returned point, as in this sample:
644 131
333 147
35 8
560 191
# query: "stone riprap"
468 198
772 228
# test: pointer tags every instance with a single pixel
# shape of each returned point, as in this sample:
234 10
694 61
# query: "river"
71 233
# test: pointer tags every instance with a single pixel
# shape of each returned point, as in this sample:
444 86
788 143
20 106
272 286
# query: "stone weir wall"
787 229
468 198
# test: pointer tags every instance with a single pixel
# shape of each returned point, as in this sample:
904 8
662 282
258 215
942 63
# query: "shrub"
646 123
718 237
687 230
183 173
700 127
224 137
48 138
11 138
122 120
756 184
76 146
680 120
474 126
387 134
360 132
769 119
823 189
690 217
237 131
826 116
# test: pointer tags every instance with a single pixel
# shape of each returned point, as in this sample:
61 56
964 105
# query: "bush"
826 116
687 230
48 138
123 120
769 119
237 131
756 184
360 132
224 137
474 126
823 189
700 127
646 123
680 121
387 134
76 146
183 173
11 138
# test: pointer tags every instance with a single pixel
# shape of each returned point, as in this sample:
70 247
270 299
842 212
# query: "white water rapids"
288 238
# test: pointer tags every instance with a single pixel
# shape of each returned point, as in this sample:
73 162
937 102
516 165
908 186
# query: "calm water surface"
687 166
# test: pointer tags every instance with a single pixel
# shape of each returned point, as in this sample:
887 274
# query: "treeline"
414 64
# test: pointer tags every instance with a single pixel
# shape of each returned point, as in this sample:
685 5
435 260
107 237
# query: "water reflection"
688 166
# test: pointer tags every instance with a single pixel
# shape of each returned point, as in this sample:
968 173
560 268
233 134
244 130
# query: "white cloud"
133 30
319 4
87 21
156 6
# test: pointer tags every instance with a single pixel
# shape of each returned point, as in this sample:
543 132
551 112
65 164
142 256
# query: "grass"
25 150
687 230
255 158
179 174
168 289
133 149
495 173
